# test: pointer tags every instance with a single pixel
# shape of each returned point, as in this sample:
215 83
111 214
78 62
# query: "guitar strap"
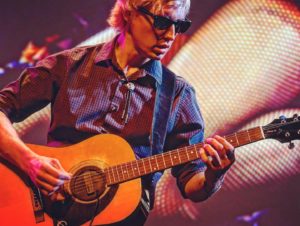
165 94
37 202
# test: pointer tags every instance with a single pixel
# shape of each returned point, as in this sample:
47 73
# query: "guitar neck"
134 169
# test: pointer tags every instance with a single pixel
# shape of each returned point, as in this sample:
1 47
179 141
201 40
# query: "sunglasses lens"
162 23
182 26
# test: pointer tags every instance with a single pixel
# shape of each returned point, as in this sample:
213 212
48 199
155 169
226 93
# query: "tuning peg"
295 117
291 145
282 118
287 134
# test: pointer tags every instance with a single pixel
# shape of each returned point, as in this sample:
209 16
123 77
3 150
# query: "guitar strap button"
61 223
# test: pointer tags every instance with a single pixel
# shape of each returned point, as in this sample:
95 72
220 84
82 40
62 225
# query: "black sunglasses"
163 23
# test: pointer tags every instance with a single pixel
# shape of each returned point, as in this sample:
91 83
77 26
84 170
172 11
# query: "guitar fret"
112 169
237 140
120 172
175 159
147 165
171 159
117 173
231 139
168 159
195 151
192 153
248 135
156 157
152 162
240 137
124 172
256 133
127 167
141 166
251 134
260 134
150 166
245 137
129 170
107 175
114 172
145 169
179 156
163 158
161 162
187 153
110 175
136 169
133 169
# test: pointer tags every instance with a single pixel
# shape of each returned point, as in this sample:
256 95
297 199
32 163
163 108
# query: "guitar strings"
113 173
116 174
160 159
199 144
129 174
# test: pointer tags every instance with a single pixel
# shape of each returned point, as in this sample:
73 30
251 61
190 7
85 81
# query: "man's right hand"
47 174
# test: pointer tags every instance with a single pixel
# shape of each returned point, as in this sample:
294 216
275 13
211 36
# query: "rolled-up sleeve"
188 129
33 90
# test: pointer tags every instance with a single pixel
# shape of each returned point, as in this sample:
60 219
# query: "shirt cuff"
185 172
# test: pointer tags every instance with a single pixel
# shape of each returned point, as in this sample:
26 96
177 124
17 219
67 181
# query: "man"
111 88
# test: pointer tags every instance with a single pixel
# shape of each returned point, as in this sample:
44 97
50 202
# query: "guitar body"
116 202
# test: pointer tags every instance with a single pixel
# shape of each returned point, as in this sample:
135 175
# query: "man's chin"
155 56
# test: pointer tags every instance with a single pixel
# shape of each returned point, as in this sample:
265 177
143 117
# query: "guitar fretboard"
134 169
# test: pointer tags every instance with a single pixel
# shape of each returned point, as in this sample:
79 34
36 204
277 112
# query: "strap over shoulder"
165 94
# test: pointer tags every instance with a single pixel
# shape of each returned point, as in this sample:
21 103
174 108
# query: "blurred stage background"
242 56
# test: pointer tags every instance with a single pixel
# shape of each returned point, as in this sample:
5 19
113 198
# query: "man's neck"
127 56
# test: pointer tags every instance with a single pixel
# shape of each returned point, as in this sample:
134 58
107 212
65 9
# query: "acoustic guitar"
106 185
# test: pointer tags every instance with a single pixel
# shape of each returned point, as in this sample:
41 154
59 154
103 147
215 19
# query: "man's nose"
170 34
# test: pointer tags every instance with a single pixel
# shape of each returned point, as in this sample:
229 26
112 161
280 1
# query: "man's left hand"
218 154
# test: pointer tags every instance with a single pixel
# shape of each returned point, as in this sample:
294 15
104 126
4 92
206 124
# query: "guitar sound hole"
88 184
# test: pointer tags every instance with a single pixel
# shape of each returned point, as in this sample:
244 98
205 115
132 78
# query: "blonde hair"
116 19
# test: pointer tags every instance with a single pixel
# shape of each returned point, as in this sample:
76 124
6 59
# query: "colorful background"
243 58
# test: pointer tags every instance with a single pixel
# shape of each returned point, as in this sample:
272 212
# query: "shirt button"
113 108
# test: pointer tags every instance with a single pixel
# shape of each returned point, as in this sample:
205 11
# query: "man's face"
148 40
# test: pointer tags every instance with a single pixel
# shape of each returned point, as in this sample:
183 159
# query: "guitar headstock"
284 129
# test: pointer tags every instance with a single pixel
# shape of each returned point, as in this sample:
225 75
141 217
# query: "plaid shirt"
88 97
